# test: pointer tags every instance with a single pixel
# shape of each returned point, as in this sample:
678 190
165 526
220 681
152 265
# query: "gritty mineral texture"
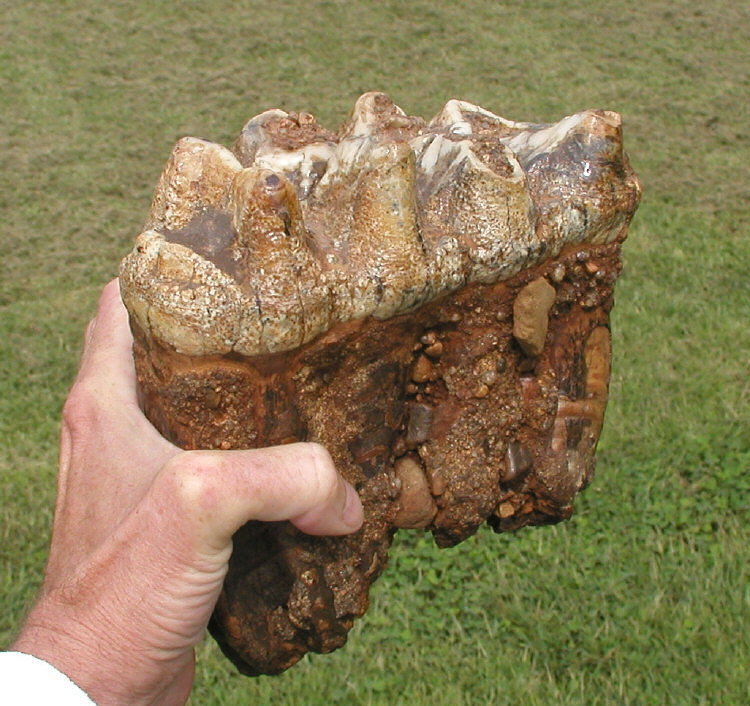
430 301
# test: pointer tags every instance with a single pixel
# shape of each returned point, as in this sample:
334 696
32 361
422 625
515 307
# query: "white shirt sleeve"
26 680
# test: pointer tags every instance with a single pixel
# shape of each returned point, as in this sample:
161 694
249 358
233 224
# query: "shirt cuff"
26 680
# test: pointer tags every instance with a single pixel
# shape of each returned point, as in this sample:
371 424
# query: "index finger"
216 492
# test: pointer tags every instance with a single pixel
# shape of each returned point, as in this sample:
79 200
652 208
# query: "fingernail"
353 514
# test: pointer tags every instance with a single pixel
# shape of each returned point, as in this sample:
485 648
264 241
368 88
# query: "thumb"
219 491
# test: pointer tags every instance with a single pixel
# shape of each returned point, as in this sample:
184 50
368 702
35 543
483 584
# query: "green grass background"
643 597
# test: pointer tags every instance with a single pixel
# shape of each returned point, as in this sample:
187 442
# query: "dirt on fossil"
479 398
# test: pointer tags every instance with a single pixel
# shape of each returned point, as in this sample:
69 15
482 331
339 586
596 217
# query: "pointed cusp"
385 242
375 114
196 176
277 264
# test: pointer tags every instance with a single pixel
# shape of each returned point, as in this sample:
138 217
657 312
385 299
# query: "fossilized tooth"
429 300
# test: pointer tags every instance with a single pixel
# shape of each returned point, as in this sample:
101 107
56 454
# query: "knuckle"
192 478
324 473
80 412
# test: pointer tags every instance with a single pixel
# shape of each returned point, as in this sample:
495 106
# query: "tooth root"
578 422
385 241
280 269
598 357
197 176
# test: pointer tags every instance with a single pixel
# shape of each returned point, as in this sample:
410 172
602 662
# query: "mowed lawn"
643 597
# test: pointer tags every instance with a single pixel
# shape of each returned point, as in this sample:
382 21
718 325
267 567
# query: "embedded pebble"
590 300
518 461
530 315
592 267
482 391
420 422
558 273
423 370
435 350
489 377
416 506
435 478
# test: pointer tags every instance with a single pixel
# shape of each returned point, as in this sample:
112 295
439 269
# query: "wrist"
66 653
98 661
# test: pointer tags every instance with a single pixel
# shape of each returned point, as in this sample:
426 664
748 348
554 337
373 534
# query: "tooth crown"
263 248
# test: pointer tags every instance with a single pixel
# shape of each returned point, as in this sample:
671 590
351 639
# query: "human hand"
143 531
